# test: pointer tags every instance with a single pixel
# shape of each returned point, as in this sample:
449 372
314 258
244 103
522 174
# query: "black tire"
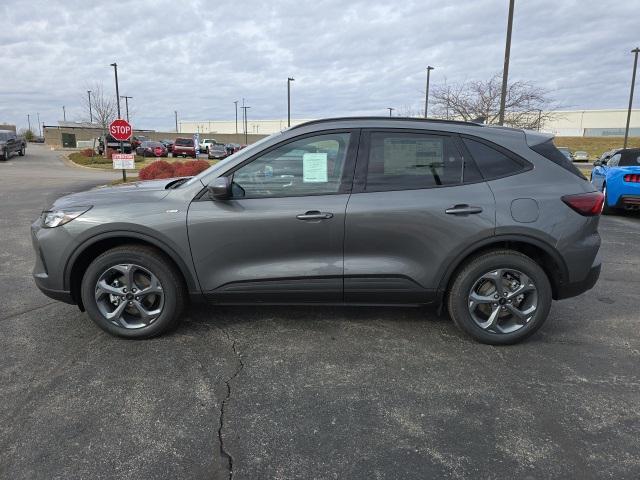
21 152
606 209
458 295
155 262
5 155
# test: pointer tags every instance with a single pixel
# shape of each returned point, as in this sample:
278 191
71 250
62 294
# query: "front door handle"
314 215
463 209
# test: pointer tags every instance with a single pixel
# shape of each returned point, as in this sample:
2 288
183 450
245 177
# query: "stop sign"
120 129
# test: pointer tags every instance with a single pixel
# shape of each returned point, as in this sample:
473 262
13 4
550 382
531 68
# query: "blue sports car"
617 175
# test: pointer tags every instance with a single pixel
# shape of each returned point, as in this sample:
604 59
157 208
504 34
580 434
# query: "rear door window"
492 162
407 161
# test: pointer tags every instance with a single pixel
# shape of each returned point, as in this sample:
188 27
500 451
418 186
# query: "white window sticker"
314 167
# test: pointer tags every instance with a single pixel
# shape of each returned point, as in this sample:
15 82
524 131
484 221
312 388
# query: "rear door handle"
314 215
463 209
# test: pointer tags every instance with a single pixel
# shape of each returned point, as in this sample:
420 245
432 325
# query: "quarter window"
490 161
310 166
406 161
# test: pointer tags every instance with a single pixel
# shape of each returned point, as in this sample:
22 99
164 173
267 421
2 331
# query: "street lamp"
90 111
426 95
505 70
391 109
115 69
289 80
175 113
236 104
126 105
64 113
633 83
246 123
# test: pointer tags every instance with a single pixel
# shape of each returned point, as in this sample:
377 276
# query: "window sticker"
314 168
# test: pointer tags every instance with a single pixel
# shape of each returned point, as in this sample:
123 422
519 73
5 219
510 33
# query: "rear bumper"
574 289
628 202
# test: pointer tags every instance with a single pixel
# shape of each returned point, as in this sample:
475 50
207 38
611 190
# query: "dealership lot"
290 392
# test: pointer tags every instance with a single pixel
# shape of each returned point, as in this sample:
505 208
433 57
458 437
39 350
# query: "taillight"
632 177
587 204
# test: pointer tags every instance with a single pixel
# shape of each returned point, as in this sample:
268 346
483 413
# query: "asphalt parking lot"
282 392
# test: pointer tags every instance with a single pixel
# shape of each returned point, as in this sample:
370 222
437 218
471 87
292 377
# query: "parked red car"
184 147
152 149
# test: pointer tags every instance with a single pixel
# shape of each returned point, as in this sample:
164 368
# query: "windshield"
4 136
247 150
186 142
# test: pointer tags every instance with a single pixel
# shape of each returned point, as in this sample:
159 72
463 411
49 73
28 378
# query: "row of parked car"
180 147
577 156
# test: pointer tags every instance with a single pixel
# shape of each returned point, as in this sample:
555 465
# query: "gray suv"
489 223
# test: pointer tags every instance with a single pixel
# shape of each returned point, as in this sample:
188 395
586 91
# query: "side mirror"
220 188
597 163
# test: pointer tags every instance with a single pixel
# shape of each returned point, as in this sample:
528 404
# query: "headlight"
55 218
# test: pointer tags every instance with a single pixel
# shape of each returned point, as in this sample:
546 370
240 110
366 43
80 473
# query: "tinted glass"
630 158
549 151
184 142
614 160
309 166
406 161
493 163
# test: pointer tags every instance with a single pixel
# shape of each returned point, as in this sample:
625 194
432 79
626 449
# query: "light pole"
505 70
29 121
391 109
175 113
426 95
246 123
633 83
64 113
289 80
236 104
90 111
39 127
126 105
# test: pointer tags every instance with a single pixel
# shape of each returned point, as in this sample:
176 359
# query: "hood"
136 192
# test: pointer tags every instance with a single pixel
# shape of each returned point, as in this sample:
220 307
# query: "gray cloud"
355 57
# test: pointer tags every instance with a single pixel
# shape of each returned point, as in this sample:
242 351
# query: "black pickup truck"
10 143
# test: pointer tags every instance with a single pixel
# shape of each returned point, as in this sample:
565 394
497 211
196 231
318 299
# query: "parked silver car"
580 156
488 224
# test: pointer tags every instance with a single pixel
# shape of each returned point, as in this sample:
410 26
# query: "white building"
260 127
564 123
592 123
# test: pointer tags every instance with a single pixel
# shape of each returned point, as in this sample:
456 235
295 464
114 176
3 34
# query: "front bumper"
48 272
574 289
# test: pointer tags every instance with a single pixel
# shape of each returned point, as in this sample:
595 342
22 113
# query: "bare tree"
103 107
527 106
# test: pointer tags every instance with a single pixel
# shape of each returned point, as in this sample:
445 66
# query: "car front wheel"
500 297
133 292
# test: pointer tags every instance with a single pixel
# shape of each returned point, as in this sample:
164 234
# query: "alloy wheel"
129 296
503 300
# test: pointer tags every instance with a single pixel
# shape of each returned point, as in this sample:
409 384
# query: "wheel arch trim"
187 272
497 240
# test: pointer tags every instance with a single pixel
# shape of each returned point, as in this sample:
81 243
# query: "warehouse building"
592 123
255 127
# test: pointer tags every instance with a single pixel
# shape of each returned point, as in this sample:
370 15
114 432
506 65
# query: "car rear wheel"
22 152
606 209
133 292
5 155
500 297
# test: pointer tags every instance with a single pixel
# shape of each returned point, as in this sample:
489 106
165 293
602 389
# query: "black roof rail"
412 119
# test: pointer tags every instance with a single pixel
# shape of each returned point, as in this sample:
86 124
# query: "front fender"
179 252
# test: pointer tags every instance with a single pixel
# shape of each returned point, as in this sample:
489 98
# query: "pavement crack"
223 451
27 310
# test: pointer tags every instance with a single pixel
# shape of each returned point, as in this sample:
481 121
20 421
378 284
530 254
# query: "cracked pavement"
313 393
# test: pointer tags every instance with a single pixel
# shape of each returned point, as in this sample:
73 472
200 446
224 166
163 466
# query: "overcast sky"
347 57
